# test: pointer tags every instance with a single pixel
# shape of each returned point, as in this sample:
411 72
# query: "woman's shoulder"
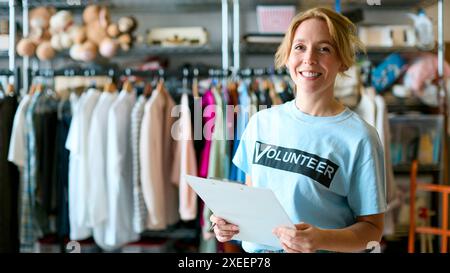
361 129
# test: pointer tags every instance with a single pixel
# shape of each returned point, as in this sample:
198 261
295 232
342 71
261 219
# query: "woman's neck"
322 106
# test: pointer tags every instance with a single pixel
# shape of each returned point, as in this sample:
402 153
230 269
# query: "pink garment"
207 101
423 69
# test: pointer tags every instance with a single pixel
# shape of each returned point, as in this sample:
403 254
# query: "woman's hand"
224 231
305 238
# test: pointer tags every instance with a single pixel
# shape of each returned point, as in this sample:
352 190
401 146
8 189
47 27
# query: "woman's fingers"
228 227
225 233
288 249
215 219
223 230
222 224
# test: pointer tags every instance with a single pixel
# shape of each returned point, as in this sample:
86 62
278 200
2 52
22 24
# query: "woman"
323 162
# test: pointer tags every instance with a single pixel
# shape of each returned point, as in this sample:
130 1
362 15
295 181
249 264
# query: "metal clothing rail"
5 72
188 73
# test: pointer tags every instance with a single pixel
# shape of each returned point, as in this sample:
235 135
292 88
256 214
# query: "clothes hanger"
110 87
195 84
184 82
2 92
39 88
32 89
148 90
127 86
10 90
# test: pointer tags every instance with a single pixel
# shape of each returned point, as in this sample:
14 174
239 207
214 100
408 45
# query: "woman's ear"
343 68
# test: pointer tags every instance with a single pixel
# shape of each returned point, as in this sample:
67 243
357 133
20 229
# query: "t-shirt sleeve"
244 153
367 192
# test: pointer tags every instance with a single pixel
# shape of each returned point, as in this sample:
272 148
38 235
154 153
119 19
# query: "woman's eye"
324 49
299 47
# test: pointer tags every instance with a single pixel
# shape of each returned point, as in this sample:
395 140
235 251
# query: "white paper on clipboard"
256 211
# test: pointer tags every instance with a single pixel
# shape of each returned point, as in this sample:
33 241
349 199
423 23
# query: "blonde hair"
342 32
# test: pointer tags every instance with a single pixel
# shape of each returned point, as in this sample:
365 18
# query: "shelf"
165 6
179 50
423 168
409 104
143 51
258 48
4 54
62 4
398 49
385 4
271 48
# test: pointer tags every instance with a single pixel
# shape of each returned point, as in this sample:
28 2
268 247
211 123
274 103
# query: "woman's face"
313 63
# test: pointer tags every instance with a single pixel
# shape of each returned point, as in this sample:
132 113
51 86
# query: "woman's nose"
309 57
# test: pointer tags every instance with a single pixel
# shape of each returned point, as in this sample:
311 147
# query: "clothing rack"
12 73
5 72
186 72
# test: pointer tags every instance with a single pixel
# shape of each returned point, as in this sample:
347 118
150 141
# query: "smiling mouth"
310 75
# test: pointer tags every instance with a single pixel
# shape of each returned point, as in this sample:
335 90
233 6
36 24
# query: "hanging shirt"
120 171
382 126
44 122
218 146
215 168
97 156
28 231
241 122
208 106
17 147
185 160
373 110
9 179
18 154
156 155
62 176
139 208
325 171
366 108
79 184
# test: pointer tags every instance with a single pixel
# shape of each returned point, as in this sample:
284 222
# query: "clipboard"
256 211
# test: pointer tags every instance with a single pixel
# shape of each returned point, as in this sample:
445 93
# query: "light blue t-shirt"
325 171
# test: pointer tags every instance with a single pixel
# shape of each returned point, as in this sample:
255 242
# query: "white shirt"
78 145
382 126
97 155
17 152
119 172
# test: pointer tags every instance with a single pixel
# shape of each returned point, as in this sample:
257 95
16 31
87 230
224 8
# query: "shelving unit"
162 11
9 7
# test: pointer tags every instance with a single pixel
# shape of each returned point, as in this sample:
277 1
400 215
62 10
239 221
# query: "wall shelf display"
63 4
259 48
384 4
416 137
165 6
204 49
